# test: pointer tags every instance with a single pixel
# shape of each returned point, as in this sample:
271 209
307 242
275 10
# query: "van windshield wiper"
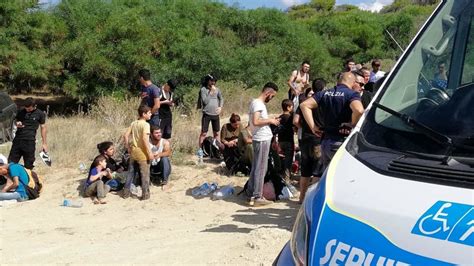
436 136
421 128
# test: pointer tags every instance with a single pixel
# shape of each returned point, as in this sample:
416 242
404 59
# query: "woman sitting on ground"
229 137
96 181
117 175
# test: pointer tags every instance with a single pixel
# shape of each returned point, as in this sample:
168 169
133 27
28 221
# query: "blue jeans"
154 120
11 196
162 170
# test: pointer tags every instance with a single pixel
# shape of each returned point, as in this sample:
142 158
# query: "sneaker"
262 202
251 201
45 157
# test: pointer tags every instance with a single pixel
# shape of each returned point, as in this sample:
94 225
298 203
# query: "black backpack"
210 147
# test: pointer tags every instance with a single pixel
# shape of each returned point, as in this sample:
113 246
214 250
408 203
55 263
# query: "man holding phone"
27 121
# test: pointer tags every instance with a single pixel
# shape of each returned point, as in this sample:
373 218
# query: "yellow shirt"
138 129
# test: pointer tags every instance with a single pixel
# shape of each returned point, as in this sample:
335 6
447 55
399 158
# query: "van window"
433 83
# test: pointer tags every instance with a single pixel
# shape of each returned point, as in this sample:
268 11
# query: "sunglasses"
361 83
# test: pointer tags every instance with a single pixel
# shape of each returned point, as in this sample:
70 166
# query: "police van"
399 191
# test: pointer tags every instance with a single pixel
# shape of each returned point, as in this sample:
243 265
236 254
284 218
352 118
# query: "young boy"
137 143
95 185
286 137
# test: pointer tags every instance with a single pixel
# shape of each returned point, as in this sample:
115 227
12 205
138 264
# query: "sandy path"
171 228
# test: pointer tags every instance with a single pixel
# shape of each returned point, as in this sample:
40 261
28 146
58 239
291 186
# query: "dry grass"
73 139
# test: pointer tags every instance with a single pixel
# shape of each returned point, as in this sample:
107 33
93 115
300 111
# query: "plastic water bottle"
200 155
72 203
211 188
223 193
82 168
292 189
285 194
199 190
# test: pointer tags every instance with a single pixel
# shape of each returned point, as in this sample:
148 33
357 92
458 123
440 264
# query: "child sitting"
95 185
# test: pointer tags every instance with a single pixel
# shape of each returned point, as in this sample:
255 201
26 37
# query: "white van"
400 189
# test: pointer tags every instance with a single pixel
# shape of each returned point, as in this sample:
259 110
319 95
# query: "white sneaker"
45 157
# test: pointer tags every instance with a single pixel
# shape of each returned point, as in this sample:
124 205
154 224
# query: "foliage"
89 48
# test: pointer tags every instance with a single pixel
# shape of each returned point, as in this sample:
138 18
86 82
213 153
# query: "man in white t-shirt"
261 142
160 168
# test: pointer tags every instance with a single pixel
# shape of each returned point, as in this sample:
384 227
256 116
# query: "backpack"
273 175
210 147
34 186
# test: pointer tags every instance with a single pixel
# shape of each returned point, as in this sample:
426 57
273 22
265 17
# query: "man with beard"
262 137
298 79
160 165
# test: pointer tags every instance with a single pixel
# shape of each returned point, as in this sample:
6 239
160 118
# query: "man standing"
341 110
160 164
359 86
27 122
262 136
298 79
376 73
166 102
211 103
150 94
137 143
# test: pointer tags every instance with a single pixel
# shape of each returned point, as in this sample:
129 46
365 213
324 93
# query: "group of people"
13 176
148 145
320 117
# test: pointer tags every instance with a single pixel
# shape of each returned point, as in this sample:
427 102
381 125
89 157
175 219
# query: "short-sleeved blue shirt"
93 171
335 105
149 94
19 171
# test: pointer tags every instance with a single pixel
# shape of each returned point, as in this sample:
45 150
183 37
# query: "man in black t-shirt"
28 120
166 102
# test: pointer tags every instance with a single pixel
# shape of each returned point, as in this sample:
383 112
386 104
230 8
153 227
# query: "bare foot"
102 201
96 201
166 187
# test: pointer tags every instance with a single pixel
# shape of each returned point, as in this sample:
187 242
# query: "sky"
372 5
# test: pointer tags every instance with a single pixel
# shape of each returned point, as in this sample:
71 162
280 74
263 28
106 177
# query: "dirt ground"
173 227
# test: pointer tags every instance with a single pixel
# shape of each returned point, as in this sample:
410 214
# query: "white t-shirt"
262 133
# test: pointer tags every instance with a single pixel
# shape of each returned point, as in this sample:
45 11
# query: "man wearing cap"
211 103
27 121
150 94
17 178
166 102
